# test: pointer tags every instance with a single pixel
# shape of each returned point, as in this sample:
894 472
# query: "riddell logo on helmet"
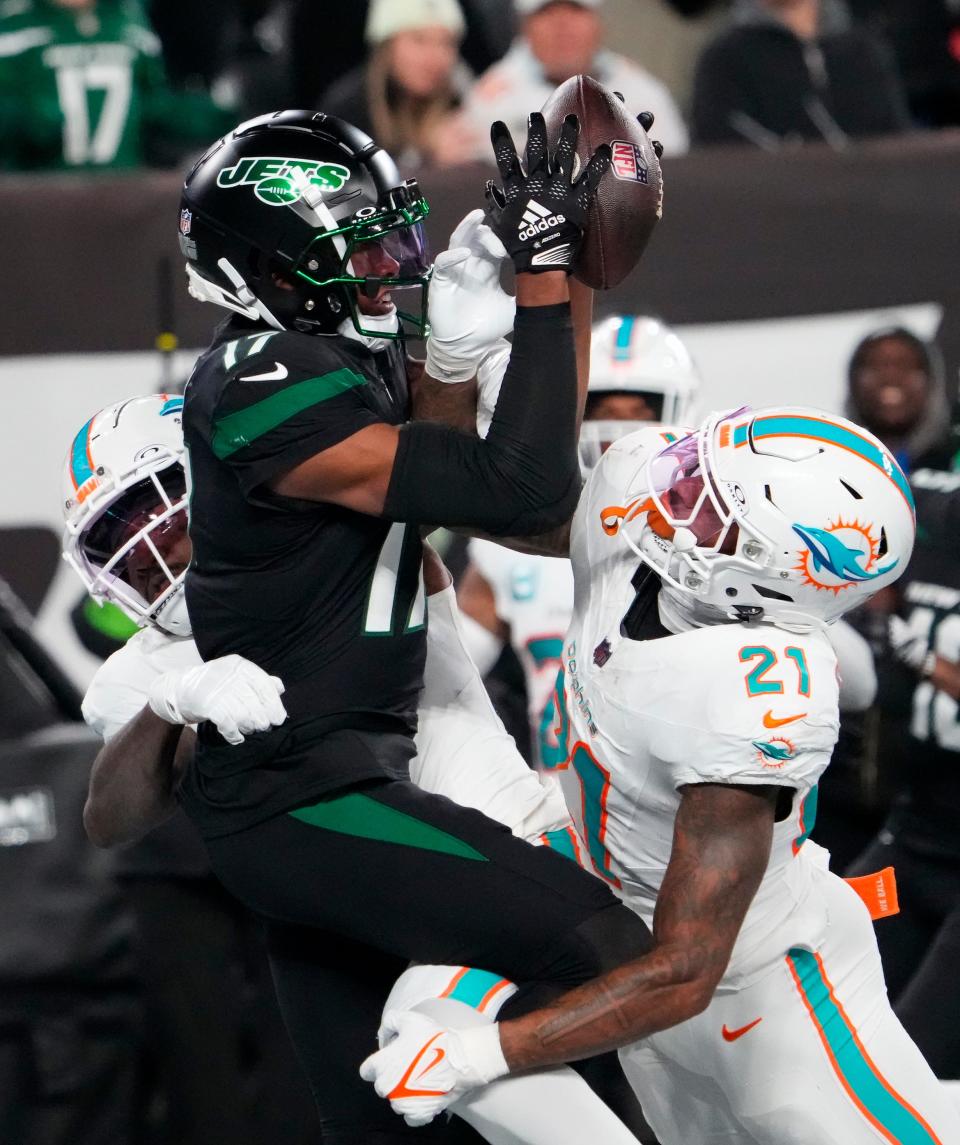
272 177
537 219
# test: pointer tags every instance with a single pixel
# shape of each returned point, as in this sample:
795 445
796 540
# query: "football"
630 197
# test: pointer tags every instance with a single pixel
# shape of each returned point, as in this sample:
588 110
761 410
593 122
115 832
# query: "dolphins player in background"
641 374
698 705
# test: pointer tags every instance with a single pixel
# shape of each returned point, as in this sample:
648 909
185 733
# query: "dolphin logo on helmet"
829 552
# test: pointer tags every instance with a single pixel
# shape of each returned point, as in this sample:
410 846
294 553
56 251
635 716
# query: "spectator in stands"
559 39
792 70
411 81
323 49
897 389
897 386
82 86
920 690
925 36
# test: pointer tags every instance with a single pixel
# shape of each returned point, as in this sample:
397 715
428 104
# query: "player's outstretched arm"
721 846
524 478
134 778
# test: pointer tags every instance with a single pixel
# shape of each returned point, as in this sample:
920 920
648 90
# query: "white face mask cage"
694 532
105 581
596 437
689 525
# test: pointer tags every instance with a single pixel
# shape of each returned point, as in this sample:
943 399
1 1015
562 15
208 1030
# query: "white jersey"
534 595
463 750
640 719
121 686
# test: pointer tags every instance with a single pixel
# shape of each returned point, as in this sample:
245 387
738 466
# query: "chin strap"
389 323
244 302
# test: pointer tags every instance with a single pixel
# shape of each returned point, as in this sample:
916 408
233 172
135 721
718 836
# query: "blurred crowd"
93 84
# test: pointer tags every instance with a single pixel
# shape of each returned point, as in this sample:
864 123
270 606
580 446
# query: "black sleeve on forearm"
525 477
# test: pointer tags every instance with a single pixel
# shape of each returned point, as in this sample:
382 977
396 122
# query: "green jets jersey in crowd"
84 87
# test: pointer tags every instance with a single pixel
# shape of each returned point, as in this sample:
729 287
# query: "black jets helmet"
290 216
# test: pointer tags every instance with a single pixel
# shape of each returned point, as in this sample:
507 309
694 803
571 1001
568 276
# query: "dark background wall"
745 235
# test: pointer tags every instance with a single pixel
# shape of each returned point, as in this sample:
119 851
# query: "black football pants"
354 887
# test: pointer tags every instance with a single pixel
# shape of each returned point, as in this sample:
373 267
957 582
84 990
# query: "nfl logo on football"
626 161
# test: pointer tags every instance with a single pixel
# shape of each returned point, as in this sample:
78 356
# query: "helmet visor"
685 495
137 552
596 437
387 259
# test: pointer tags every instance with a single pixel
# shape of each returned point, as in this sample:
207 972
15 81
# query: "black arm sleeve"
525 477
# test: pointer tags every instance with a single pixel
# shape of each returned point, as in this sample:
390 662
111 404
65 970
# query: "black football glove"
541 213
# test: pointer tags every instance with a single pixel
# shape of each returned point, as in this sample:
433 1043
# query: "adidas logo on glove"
537 219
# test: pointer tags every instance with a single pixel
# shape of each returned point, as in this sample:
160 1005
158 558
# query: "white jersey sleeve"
495 564
855 667
120 688
463 750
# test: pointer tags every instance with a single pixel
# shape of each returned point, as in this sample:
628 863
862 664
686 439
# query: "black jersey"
929 809
328 599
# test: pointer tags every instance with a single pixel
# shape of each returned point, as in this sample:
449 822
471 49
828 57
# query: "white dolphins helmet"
637 355
125 499
785 515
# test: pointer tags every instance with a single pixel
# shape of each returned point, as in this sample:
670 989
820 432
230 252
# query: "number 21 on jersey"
765 660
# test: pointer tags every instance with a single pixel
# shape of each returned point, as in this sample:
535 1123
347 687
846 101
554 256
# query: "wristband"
443 366
481 1047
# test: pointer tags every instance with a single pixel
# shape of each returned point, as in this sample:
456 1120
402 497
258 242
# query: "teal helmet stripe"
80 467
621 349
819 429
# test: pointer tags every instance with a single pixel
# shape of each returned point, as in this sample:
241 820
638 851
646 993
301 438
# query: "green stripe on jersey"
358 814
235 430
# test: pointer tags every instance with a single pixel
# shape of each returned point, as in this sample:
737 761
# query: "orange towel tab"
879 892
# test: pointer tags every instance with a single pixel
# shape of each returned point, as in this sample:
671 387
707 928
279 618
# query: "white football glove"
490 372
425 1067
910 647
468 310
231 692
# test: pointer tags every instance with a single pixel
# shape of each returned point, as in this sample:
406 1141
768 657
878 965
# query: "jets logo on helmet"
298 220
272 177
718 515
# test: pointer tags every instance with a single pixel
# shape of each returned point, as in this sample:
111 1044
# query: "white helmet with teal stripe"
125 509
785 515
638 356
